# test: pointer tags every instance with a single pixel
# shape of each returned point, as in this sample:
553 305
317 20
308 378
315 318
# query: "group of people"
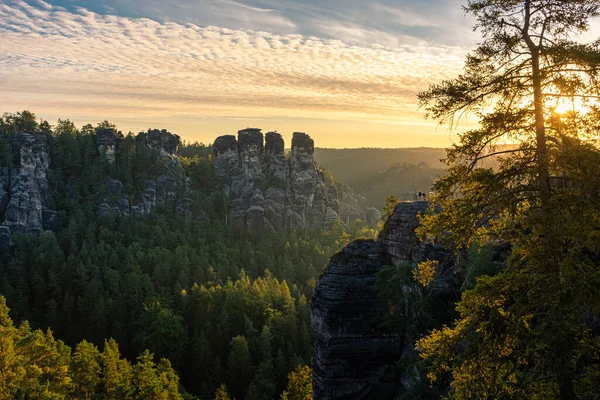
421 196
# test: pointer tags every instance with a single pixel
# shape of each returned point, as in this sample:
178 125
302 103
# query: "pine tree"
221 393
85 370
299 384
528 332
239 367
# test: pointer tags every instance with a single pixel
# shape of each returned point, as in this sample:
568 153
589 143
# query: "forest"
227 308
194 305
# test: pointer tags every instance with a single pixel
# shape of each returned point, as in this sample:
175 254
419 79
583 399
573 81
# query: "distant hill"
377 173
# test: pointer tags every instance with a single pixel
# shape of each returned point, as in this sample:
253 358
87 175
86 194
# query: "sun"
564 105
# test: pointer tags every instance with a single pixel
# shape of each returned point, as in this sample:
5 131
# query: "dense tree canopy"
229 309
531 330
23 121
34 365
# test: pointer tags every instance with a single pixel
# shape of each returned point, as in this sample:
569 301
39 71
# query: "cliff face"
106 142
354 357
159 192
24 186
268 190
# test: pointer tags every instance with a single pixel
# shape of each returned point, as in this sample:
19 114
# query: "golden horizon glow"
202 82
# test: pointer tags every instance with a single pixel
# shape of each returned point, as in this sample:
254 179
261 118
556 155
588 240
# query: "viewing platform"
416 197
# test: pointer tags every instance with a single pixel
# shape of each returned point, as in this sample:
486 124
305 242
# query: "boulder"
224 144
274 144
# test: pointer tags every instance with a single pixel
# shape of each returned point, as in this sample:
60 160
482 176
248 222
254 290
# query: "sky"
347 72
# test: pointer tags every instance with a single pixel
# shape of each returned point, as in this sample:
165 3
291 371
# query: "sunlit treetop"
519 82
528 332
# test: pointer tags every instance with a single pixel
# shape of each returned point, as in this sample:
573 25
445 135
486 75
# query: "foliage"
45 127
23 121
65 126
189 289
221 393
299 384
529 331
403 297
195 149
92 280
106 125
425 272
35 365
479 261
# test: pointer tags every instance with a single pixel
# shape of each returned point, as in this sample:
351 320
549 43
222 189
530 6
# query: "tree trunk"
540 129
538 105
567 391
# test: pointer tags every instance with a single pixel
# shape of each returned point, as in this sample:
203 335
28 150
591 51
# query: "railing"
414 197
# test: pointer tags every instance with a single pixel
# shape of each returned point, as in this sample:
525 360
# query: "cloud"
225 13
80 63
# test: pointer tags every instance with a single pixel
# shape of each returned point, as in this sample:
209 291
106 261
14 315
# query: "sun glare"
564 105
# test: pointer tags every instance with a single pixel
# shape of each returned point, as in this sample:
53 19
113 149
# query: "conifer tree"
529 331
299 384
85 370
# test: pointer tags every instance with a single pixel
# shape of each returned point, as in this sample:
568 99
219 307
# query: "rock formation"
24 186
268 190
107 140
160 192
162 141
354 357
113 201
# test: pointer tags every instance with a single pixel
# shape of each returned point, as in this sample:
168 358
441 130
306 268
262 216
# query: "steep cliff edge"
24 186
355 356
269 190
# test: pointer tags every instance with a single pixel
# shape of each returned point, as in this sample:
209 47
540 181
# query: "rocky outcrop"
162 141
354 356
266 188
113 200
372 216
107 140
306 190
170 189
24 187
